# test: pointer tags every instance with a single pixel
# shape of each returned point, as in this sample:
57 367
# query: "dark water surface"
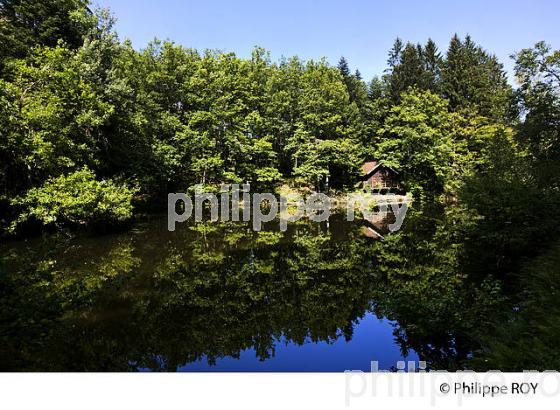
221 297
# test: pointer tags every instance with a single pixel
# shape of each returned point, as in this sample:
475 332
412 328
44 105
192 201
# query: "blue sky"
362 31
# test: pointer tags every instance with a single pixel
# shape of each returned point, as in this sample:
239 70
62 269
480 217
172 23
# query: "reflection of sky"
372 340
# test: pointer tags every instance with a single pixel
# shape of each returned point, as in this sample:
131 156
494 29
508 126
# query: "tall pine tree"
474 79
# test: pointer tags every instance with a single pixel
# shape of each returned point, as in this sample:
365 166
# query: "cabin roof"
370 167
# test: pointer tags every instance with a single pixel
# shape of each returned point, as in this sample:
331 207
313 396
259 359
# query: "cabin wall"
382 178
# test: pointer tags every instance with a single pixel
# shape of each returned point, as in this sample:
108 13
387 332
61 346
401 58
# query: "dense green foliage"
75 199
528 338
167 117
27 24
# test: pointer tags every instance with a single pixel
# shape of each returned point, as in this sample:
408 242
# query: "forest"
91 127
94 132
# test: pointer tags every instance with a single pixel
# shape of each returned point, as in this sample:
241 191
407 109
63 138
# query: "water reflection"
372 340
221 296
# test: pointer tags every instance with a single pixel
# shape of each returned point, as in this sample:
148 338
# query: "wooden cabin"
377 177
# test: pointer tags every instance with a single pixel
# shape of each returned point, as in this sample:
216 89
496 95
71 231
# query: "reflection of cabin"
372 231
376 225
377 177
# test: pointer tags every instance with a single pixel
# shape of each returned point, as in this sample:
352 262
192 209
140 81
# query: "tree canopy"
73 97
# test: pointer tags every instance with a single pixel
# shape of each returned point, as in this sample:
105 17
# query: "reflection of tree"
441 311
161 300
47 290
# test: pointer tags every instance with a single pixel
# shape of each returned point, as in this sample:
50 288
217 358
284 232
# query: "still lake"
222 297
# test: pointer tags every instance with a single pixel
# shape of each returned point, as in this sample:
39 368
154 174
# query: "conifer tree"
343 68
474 79
432 61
